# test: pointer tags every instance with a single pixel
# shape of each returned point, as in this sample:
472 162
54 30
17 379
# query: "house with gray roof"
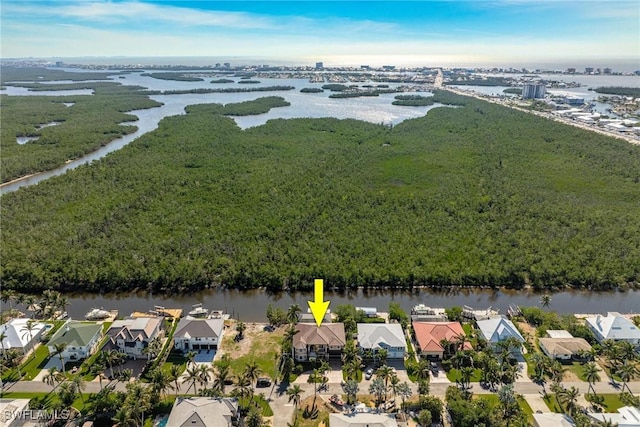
81 339
132 335
613 327
203 412
198 334
498 329
388 336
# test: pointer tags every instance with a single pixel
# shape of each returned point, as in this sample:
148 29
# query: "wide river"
250 306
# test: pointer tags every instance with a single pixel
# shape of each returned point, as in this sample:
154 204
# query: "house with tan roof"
132 335
313 342
431 335
564 348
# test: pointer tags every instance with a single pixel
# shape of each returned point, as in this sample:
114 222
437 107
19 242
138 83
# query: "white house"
498 329
627 416
614 327
203 412
362 419
376 336
18 335
198 334
80 339
132 335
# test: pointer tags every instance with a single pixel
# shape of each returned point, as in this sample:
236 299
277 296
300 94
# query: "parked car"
434 367
368 374
263 382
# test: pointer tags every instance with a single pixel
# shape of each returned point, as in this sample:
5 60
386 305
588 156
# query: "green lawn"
34 365
266 409
175 358
531 367
526 409
578 369
264 347
553 404
611 402
49 399
454 374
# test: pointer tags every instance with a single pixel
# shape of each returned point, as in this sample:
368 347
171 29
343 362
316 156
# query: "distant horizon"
481 33
617 65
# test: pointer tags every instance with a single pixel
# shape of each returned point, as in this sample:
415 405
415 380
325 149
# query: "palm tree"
59 348
252 371
395 382
385 373
192 376
78 385
293 312
203 374
545 300
383 353
124 418
160 381
350 388
52 377
240 328
294 392
97 369
222 374
8 295
404 390
590 371
27 331
243 386
379 390
423 370
174 373
569 398
3 335
465 377
190 356
254 418
627 372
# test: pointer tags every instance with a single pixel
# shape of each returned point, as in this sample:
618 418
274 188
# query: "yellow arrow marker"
318 307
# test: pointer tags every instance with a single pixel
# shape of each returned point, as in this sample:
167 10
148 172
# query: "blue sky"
498 32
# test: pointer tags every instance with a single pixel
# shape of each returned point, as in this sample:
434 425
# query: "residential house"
203 412
564 348
18 336
388 336
198 334
498 329
431 335
11 411
627 416
551 419
312 342
614 327
80 339
132 335
365 419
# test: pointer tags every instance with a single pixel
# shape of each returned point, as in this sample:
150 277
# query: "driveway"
536 402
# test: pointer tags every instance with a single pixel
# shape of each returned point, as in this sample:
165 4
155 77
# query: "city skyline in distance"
419 33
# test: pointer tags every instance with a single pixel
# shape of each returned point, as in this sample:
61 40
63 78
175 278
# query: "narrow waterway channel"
251 306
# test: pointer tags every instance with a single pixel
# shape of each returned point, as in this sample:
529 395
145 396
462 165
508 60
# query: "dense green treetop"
476 195
618 90
85 124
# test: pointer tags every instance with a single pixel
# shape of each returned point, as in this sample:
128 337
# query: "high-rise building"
319 65
571 70
533 90
588 70
607 71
